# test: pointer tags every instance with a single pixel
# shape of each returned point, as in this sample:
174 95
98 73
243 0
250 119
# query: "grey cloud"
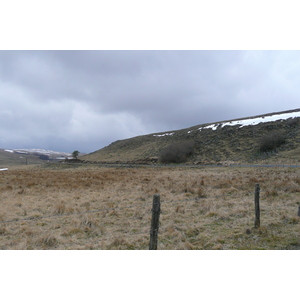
61 99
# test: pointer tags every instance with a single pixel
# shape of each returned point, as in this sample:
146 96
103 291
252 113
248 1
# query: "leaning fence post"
257 210
154 222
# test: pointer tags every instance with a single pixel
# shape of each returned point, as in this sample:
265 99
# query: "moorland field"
61 206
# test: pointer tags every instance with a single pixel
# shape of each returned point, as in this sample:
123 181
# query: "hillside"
223 142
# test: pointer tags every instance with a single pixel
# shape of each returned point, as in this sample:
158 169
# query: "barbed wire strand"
115 208
208 198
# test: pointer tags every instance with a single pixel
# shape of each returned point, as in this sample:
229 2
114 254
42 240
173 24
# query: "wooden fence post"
154 222
257 210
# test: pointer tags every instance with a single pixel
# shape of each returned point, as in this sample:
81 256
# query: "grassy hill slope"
227 143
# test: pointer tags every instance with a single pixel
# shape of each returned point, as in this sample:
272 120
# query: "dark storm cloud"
62 100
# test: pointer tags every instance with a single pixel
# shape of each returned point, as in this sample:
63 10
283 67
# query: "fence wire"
117 208
206 198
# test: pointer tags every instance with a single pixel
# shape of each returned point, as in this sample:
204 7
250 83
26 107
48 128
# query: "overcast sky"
84 100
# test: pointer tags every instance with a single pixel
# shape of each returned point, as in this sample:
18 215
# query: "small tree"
75 154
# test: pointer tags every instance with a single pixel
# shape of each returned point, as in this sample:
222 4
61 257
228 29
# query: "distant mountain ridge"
50 153
235 140
9 157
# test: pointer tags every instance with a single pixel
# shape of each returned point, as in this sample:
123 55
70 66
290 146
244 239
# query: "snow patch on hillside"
252 121
11 151
165 134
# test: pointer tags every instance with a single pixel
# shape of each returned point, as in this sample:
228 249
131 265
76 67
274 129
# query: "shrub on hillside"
292 122
272 140
177 152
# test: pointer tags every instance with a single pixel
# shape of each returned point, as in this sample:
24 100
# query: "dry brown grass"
110 208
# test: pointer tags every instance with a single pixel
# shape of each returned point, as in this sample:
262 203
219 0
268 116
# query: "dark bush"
177 152
272 140
292 122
